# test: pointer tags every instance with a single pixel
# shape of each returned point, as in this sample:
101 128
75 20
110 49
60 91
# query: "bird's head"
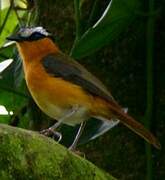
33 42
29 34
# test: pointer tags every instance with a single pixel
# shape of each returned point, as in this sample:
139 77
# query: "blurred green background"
122 43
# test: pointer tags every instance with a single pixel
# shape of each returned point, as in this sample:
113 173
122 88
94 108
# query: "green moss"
28 155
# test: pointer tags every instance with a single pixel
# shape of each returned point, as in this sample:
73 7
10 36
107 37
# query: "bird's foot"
52 133
82 154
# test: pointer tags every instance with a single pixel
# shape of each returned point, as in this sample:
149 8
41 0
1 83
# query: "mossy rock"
29 155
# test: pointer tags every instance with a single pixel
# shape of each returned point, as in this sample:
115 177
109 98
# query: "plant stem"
93 13
77 18
150 85
78 23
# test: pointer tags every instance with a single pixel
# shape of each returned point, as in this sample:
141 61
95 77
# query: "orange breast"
54 95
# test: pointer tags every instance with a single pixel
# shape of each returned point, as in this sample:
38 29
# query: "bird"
65 90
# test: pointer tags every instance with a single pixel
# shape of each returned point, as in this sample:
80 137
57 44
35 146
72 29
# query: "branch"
28 155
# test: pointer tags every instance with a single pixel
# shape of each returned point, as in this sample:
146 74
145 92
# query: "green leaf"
9 21
12 85
5 4
5 64
115 20
8 27
6 52
10 97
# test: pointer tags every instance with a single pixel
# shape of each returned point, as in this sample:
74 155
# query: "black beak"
15 37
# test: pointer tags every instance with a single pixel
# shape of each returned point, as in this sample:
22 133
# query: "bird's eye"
36 36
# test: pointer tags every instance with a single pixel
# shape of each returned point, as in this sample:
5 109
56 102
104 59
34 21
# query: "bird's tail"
135 126
112 110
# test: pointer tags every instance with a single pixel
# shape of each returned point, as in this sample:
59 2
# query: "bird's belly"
70 116
57 97
58 111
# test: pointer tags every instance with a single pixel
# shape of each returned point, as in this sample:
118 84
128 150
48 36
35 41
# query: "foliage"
114 20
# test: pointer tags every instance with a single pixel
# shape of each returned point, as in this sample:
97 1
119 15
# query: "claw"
57 134
53 134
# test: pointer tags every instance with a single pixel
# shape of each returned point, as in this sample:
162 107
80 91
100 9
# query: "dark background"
123 65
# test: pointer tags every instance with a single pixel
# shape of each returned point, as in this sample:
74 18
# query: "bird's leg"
79 133
51 130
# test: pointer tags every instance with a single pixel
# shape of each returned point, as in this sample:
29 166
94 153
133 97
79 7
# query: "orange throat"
36 50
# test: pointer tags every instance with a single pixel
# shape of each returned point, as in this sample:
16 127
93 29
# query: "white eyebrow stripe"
26 32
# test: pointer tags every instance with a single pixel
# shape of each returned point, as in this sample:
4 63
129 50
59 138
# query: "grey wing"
60 65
